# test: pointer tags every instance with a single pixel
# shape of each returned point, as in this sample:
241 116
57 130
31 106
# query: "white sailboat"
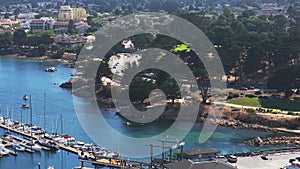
3 151
32 146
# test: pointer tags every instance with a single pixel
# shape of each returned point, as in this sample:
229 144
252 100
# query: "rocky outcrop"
68 84
281 140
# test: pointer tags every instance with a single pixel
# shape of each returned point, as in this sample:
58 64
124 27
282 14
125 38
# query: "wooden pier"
76 151
89 157
30 135
107 163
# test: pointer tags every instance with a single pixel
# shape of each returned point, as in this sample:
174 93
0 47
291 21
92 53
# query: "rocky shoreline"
281 140
227 120
66 62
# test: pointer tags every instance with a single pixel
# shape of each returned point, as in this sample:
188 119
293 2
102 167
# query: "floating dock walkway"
88 157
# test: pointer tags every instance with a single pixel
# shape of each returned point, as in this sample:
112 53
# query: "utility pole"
151 153
177 145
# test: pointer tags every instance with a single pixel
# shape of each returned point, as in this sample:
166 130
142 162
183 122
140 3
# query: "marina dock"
86 156
76 151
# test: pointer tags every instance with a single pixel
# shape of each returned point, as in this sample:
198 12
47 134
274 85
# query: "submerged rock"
68 84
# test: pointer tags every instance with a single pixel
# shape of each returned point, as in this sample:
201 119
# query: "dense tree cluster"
253 46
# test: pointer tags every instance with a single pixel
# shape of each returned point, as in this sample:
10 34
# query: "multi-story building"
37 25
68 13
45 23
79 14
60 27
6 23
27 16
81 27
271 9
65 13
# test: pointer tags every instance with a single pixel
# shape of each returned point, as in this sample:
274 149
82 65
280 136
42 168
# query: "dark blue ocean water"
19 77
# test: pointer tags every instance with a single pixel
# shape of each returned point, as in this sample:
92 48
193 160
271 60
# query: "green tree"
140 89
171 5
285 78
155 6
6 40
279 23
71 27
19 37
42 49
227 12
171 89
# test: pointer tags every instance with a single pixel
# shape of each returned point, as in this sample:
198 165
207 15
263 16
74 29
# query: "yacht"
32 146
53 146
50 69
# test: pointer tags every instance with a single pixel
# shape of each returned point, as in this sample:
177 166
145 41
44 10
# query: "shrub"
250 95
257 92
251 110
235 95
291 113
229 97
262 97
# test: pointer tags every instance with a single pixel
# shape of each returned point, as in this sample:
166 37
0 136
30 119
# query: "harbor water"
19 77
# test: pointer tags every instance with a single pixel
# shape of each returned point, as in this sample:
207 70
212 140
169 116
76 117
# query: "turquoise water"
19 77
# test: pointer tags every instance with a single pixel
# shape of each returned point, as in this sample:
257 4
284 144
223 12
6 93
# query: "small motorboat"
25 97
18 148
6 137
24 106
82 156
50 69
3 151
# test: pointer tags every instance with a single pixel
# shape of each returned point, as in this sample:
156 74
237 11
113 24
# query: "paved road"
276 161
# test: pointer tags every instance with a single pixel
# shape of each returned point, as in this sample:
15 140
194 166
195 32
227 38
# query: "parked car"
264 157
232 159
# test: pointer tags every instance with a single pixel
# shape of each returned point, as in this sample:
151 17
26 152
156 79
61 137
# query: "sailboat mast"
44 114
30 106
61 124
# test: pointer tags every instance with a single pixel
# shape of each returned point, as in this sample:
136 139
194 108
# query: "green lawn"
246 101
181 48
282 104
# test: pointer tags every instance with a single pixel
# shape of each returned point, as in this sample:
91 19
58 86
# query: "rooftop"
200 151
199 165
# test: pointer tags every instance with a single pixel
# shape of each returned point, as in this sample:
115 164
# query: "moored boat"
50 69
24 106
6 136
18 147
25 97
3 151
53 146
32 146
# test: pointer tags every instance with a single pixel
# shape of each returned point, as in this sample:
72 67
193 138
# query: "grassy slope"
283 104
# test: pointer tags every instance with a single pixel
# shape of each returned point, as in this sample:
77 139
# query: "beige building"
68 13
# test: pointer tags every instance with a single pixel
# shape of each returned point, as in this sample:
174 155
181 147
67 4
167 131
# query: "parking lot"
275 161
